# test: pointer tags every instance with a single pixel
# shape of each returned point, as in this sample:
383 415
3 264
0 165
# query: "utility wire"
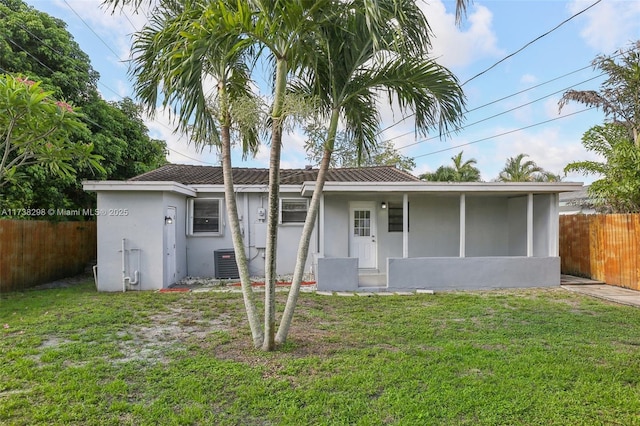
85 118
502 60
531 42
503 112
504 133
92 30
488 104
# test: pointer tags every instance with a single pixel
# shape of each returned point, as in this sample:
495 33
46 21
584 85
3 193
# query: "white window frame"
284 200
191 210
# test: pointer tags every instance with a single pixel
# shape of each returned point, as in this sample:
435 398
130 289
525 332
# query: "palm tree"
515 170
460 172
365 51
173 55
619 96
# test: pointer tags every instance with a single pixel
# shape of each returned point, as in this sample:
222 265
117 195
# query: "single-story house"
378 228
576 202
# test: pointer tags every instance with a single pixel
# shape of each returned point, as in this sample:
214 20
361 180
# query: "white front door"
362 234
170 245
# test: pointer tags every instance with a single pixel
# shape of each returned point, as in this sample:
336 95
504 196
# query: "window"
395 217
205 214
362 223
293 210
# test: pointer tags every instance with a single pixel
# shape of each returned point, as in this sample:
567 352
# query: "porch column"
463 224
321 227
530 225
405 225
554 225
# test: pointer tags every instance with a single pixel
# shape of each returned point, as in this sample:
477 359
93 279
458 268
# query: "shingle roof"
209 175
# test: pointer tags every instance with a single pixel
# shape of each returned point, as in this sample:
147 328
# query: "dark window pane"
206 216
294 211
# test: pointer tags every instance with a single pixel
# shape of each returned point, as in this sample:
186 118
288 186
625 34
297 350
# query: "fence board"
35 252
602 247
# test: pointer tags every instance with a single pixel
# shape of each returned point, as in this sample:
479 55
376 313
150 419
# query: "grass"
74 356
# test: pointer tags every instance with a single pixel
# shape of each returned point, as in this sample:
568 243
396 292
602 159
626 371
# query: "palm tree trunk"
274 198
238 243
307 230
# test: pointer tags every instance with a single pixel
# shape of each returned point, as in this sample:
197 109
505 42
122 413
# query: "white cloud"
457 47
610 25
528 79
548 148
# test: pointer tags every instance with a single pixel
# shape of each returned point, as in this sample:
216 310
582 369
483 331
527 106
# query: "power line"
504 133
503 112
532 41
84 117
504 59
92 30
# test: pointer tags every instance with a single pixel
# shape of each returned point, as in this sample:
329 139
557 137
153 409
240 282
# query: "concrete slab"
344 293
364 294
611 293
324 293
423 291
404 293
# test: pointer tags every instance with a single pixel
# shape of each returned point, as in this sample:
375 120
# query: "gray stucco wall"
141 226
517 226
486 233
337 274
473 273
434 226
200 249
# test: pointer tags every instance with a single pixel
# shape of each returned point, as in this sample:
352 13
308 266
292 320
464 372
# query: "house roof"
210 175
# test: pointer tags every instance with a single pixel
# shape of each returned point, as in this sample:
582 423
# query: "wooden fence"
35 252
602 247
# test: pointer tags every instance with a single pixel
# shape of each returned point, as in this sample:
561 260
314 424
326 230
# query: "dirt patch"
65 282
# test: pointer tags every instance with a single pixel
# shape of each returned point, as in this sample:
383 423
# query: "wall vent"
225 264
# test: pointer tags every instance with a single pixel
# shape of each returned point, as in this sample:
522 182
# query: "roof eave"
152 186
446 187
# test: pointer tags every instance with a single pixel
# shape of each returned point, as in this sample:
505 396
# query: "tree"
618 189
619 95
275 32
459 172
34 129
515 170
384 154
366 50
38 45
182 47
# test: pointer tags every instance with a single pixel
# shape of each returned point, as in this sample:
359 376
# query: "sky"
512 107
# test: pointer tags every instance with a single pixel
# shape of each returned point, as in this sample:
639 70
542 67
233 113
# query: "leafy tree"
459 172
515 170
290 36
365 50
344 155
618 189
38 45
34 129
619 95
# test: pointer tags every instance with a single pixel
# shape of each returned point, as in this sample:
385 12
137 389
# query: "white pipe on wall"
126 280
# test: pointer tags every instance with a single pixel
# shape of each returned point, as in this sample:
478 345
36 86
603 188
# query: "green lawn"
531 357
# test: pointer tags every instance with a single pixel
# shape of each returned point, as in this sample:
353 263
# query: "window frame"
191 216
281 220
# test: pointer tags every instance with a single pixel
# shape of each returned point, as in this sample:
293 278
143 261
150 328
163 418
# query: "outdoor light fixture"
383 205
168 220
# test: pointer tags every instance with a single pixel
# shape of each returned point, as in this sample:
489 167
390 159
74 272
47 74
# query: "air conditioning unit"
225 264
